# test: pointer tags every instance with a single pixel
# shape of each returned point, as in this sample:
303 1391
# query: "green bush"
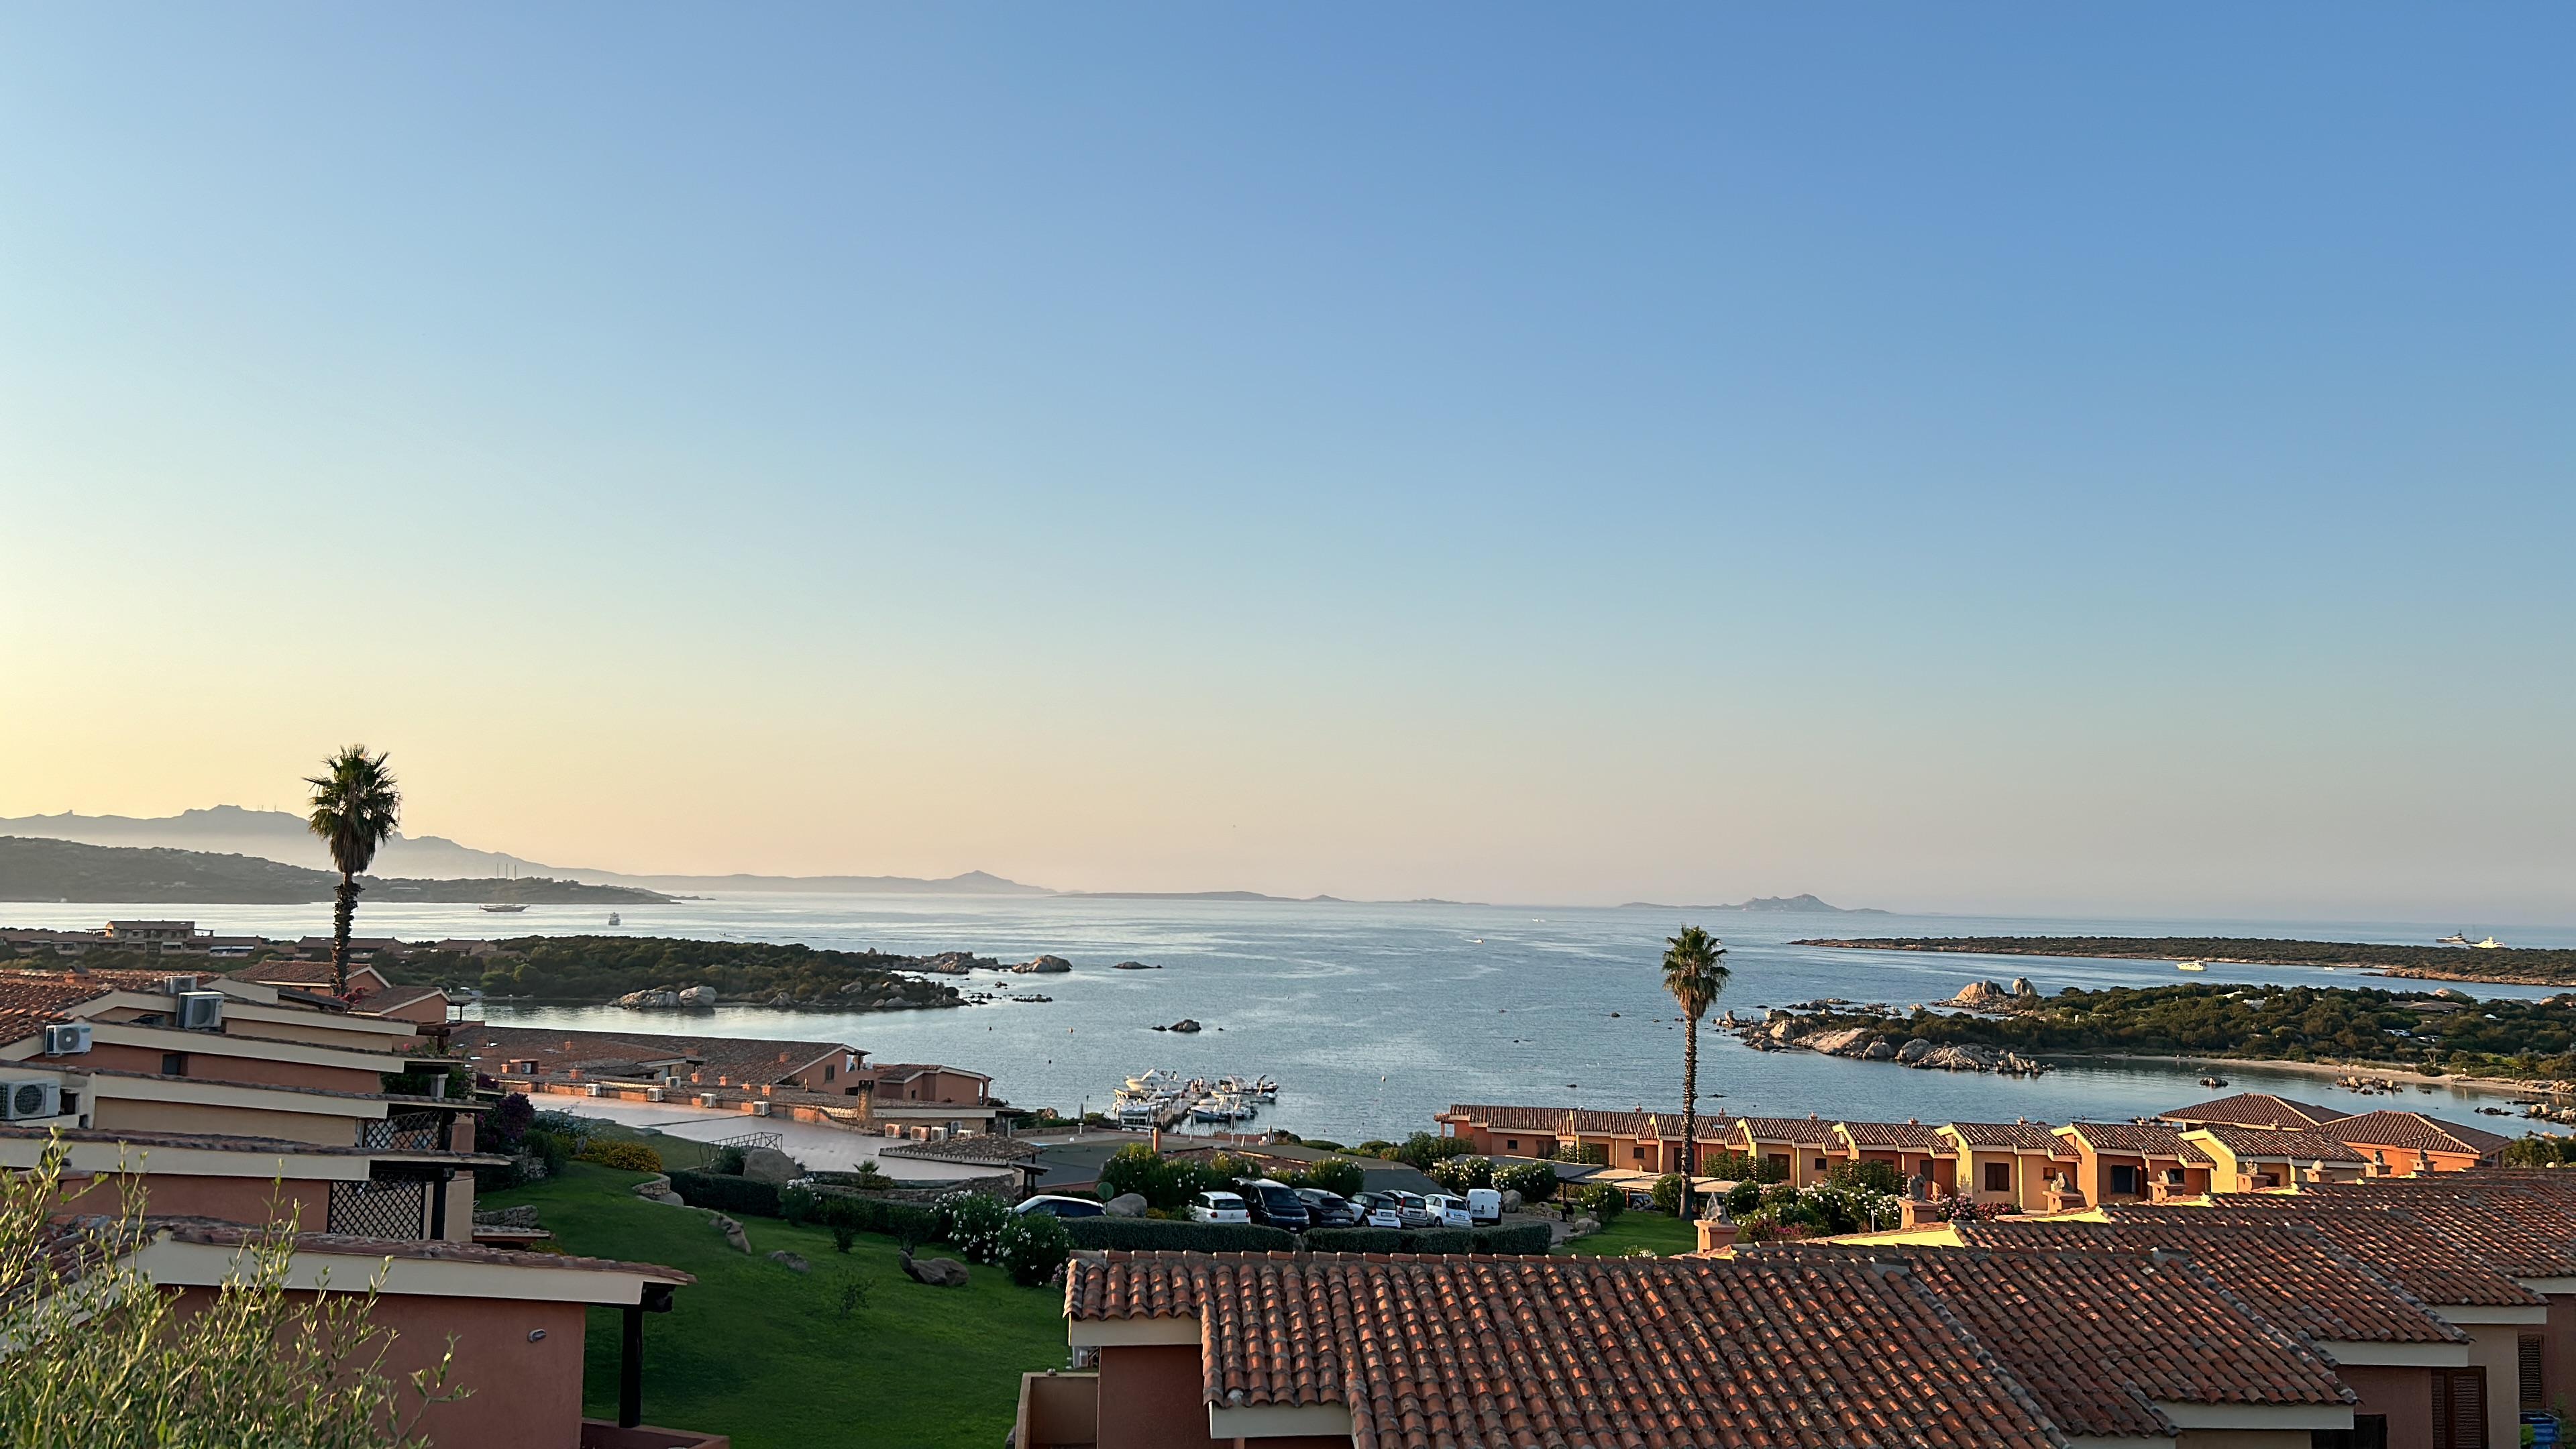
973 1222
728 1161
1743 1198
903 1221
1334 1175
624 1156
1668 1194
1031 1246
1593 1153
1422 1149
1145 1235
737 1196
1601 1201
1524 1238
1534 1181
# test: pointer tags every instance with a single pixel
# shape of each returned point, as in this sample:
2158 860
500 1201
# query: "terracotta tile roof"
392 997
2413 1131
2011 1134
906 1071
2253 1109
2426 1263
1804 1131
983 1148
29 1000
2289 1273
2101 1338
225 1235
2133 1137
1454 1351
1909 1136
2301 1145
225 1142
1592 1121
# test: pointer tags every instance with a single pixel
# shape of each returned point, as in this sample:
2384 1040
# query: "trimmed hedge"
910 1221
1529 1239
1148 1235
727 1194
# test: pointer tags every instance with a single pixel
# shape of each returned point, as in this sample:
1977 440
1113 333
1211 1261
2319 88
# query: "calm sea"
1375 1017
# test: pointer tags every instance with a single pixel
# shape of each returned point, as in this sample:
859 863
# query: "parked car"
1377 1210
1407 1209
1062 1207
1218 1207
1451 1211
1277 1204
1485 1205
1330 1209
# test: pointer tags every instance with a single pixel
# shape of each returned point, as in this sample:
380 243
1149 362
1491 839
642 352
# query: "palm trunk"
344 907
1690 1108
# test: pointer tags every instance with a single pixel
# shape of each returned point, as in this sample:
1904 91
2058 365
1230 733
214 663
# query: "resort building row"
2425 1312
2250 1142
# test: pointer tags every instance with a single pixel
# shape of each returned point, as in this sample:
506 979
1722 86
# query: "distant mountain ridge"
34 869
275 835
1800 904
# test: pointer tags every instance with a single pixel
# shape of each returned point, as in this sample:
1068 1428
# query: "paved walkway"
821 1149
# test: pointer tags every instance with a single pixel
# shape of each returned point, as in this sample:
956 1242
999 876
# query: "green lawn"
763 1354
1634 1229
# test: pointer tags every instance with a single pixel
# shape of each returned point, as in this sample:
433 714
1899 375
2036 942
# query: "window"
2459 1408
1820 1165
2124 1180
1511 1144
829 1071
174 1064
2368 1431
1637 1154
2530 1360
1777 1164
1998 1177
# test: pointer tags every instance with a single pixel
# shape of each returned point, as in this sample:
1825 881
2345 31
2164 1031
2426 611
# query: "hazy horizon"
2067 463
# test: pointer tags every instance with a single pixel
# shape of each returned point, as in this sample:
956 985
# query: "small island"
2437 1033
663 972
2430 962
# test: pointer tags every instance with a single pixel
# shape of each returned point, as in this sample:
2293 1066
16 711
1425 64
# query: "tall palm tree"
356 806
1694 973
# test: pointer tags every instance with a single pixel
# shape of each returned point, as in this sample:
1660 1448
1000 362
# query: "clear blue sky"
2018 459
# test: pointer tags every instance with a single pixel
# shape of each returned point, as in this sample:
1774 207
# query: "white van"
1452 1211
1484 1206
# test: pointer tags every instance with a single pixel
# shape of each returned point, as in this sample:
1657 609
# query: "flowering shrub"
1821 1210
1031 1246
624 1156
973 1222
1534 1181
1459 1174
1601 1200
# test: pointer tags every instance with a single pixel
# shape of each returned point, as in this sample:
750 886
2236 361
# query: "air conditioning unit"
653 1094
595 1090
30 1098
706 1099
67 1038
201 1010
760 1109
178 985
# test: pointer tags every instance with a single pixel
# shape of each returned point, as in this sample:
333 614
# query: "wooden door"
2459 1408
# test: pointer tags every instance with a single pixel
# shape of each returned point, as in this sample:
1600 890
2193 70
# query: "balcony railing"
395 1210
406 1132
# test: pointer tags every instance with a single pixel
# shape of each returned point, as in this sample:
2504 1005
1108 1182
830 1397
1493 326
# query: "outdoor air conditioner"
706 1099
653 1094
201 1010
178 985
30 1098
67 1038
760 1109
595 1090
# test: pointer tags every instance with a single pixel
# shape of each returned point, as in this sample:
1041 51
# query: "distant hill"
63 870
1805 905
275 835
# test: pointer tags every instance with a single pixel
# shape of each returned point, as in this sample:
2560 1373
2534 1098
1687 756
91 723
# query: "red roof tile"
2144 1141
1455 1351
2414 1132
2300 1145
2102 1338
1907 1136
1804 1131
1571 1120
2434 1267
2288 1272
2011 1134
2253 1109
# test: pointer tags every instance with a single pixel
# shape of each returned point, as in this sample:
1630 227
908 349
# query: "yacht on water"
2456 938
614 919
2191 966
504 908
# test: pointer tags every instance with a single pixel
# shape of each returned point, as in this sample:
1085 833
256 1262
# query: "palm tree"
1694 974
356 805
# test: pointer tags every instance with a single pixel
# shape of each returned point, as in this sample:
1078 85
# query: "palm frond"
356 807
